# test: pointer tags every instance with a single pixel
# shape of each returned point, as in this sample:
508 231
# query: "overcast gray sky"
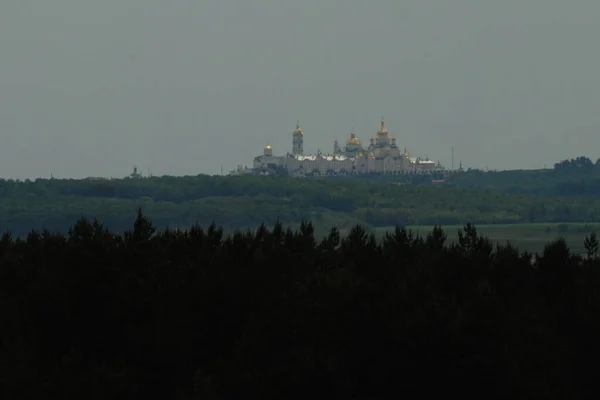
90 88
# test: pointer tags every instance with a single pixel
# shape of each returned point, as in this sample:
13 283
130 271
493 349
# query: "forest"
279 313
575 177
244 202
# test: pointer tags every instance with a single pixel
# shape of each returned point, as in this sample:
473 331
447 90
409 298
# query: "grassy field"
530 237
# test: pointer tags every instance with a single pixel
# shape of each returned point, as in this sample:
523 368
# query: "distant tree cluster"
574 163
277 313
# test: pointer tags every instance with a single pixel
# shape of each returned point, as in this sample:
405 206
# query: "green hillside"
576 177
244 202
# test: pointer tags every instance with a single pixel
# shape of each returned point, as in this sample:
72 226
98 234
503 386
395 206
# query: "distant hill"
577 179
243 202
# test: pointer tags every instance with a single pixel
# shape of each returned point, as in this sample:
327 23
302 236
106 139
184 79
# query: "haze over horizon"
187 87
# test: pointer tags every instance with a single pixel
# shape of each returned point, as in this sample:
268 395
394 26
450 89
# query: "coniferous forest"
274 313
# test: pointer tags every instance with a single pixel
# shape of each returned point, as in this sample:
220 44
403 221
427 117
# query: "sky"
182 87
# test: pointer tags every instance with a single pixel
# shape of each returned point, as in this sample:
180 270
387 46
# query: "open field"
530 237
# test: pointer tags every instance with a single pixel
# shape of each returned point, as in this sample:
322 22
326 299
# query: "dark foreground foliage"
273 314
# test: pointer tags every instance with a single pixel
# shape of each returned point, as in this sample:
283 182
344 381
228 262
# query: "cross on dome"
382 129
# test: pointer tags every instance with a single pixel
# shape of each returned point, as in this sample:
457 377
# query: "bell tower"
298 141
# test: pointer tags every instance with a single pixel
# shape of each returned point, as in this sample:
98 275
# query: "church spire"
382 129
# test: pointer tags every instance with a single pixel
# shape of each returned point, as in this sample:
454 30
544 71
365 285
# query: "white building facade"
381 156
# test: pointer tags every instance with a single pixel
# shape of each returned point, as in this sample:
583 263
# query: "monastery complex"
382 155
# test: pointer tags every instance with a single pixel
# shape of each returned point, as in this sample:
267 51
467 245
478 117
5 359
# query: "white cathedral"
381 156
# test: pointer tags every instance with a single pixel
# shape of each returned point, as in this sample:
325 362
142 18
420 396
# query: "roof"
416 160
326 158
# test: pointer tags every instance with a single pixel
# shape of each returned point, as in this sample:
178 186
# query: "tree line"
577 177
246 201
280 313
580 162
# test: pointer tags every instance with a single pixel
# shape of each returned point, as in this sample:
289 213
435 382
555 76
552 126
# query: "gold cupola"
298 131
382 129
353 140
268 151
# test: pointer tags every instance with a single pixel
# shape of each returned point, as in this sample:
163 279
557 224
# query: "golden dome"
267 147
382 130
353 141
298 130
